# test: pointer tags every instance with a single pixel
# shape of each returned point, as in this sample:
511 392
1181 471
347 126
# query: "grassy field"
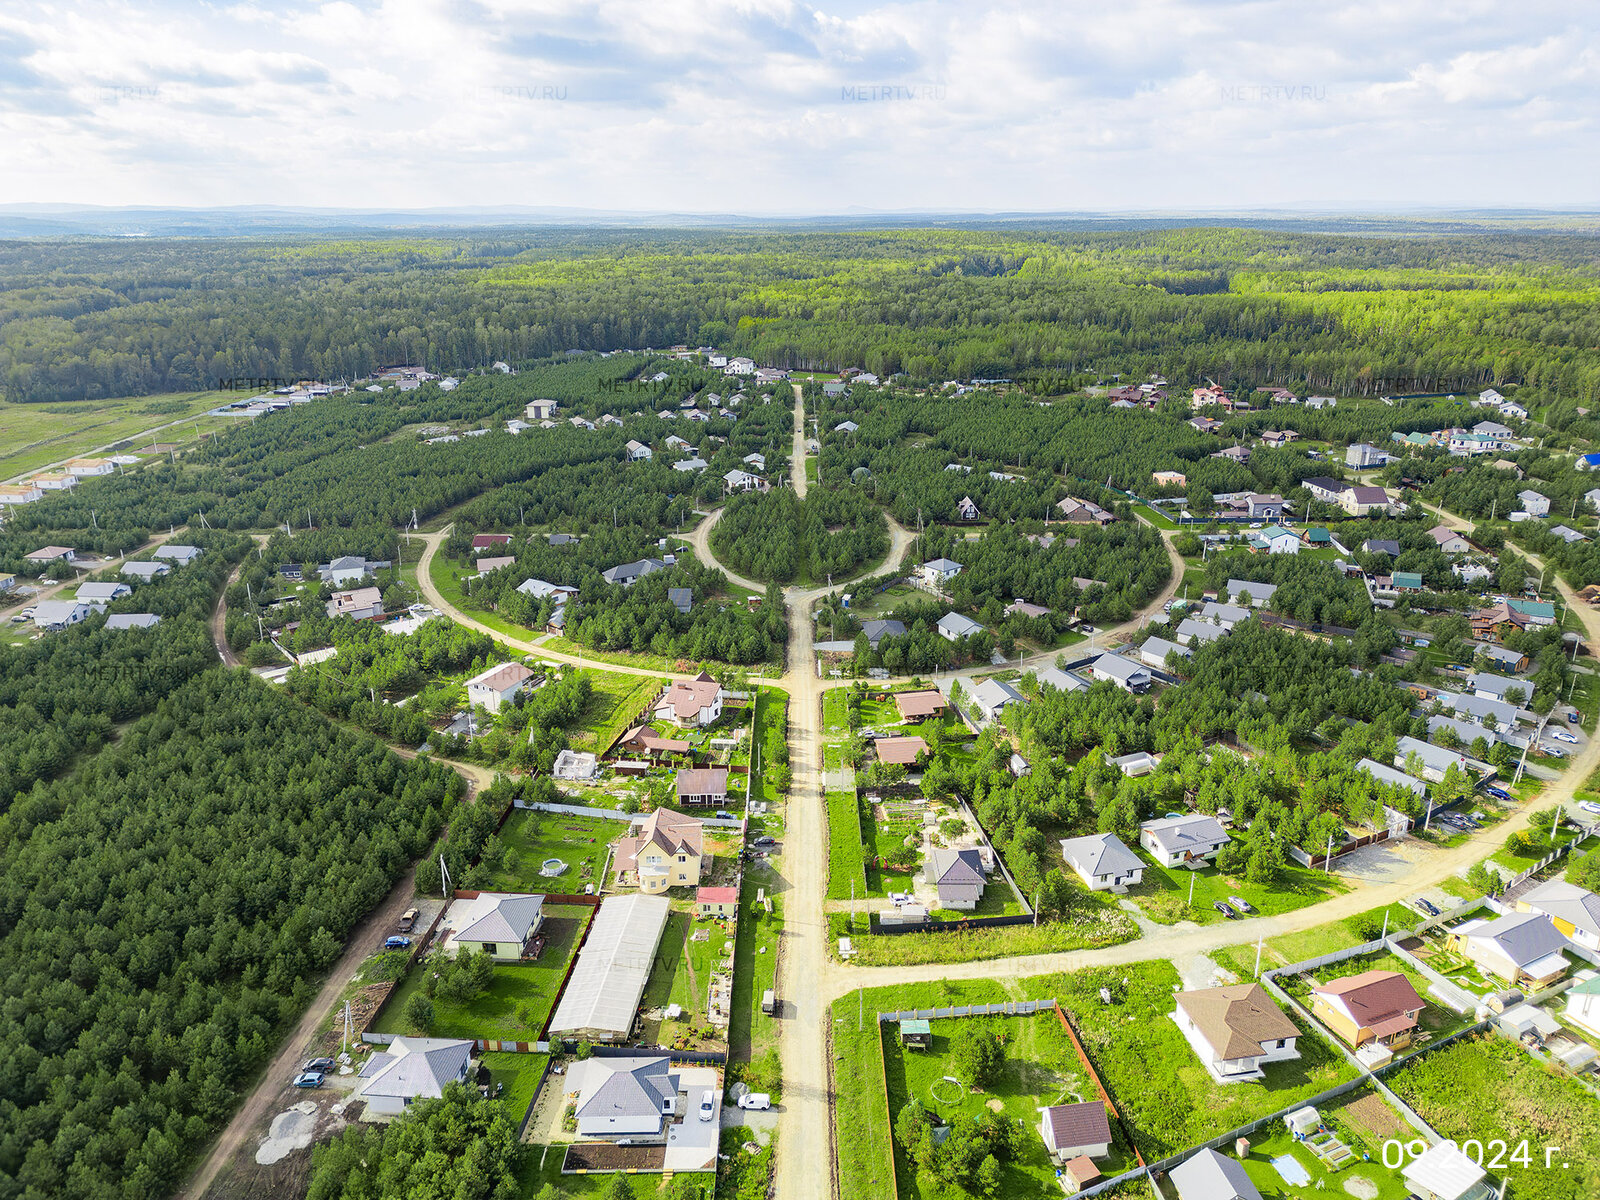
771 728
861 1109
614 705
1105 927
1386 1184
1040 1069
580 842
520 1075
35 435
845 866
517 1002
1319 940
1489 1090
753 1034
1164 892
1169 1099
880 838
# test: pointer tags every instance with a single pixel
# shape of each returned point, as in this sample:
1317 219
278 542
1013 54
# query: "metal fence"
1010 1008
932 926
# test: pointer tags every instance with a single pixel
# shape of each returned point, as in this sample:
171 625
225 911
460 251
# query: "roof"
1159 647
955 867
959 625
995 694
613 966
686 699
102 591
1237 1019
1381 546
625 1087
503 677
1121 668
1375 998
1082 1124
1442 1171
703 781
133 621
1496 685
1388 775
1182 833
1100 854
1256 591
1370 495
668 830
1523 938
415 1068
876 631
58 612
1082 1169
914 1025
1577 906
180 552
1210 1176
1061 680
497 917
919 704
716 895
901 750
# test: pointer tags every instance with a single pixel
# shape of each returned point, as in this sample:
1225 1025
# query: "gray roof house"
1518 947
1124 672
1259 593
1435 760
1477 708
681 598
1575 910
132 621
1186 841
145 570
102 593
1102 861
1155 650
1211 1176
953 626
411 1068
625 1097
1062 681
1381 546
182 555
877 630
1495 687
58 614
1193 629
627 573
958 874
1388 775
1225 614
992 695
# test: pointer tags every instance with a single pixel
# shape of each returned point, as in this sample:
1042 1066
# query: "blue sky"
766 106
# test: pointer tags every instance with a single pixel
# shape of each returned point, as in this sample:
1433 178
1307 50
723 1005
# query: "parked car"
762 1100
408 920
708 1106
1498 793
765 840
1427 906
1573 716
1241 905
1589 806
1225 910
1552 751
397 942
1561 735
322 1066
309 1079
724 815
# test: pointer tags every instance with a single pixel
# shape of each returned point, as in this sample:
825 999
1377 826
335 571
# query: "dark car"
1498 793
1428 907
397 943
323 1066
1225 909
765 840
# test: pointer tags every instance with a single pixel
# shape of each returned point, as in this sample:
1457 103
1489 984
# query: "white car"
708 1106
1552 751
1589 806
755 1100
1562 735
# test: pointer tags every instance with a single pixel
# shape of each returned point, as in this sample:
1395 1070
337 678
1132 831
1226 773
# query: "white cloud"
773 105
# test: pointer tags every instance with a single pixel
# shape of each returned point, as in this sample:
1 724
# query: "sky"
768 107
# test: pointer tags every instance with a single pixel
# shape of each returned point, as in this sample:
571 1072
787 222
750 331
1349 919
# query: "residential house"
1514 661
939 570
1103 862
627 574
498 685
681 598
966 510
919 706
643 739
492 563
53 615
1226 615
132 621
741 481
1021 608
1492 429
1317 536
25 493
353 568
1524 949
1534 504
900 751
1533 612
499 924
706 786
1495 687
1260 594
846 427
1480 709
1190 841
1574 910
1154 652
1205 424
481 541
1321 402
1363 501
1210 394
1381 546
1490 398
717 902
1374 1006
631 1099
637 451
953 627
50 554
145 571
409 1069
1236 1031
53 481
958 875
692 704
690 464
1083 512
1238 454
1278 437
1170 479
1364 455
1514 410
541 410
1263 506
877 629
539 589
1390 777
1568 534
1443 1172
1278 540
1125 673
1193 629
1075 1130
1212 1176
993 695
664 850
1432 762
1583 1003
1497 621
1324 489
1471 572
359 604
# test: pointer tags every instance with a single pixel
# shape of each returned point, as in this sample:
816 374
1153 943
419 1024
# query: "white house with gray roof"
1574 910
1103 862
1187 841
631 1097
1520 948
411 1069
1260 593
993 695
1212 1176
498 924
1495 687
1392 778
1194 629
953 627
1433 760
1124 672
1155 650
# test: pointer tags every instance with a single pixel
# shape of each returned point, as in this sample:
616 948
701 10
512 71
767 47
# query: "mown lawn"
845 863
1164 892
580 842
1316 941
520 1075
518 1000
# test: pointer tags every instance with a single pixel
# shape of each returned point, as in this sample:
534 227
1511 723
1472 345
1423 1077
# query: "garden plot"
536 841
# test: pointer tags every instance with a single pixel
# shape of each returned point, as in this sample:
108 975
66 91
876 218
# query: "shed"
916 1033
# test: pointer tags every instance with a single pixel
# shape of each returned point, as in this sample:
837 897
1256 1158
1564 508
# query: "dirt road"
699 539
797 459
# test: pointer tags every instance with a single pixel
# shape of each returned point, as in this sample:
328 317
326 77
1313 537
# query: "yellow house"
1374 1006
664 853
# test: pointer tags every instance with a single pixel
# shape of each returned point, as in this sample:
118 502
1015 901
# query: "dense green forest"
168 909
777 537
1367 314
